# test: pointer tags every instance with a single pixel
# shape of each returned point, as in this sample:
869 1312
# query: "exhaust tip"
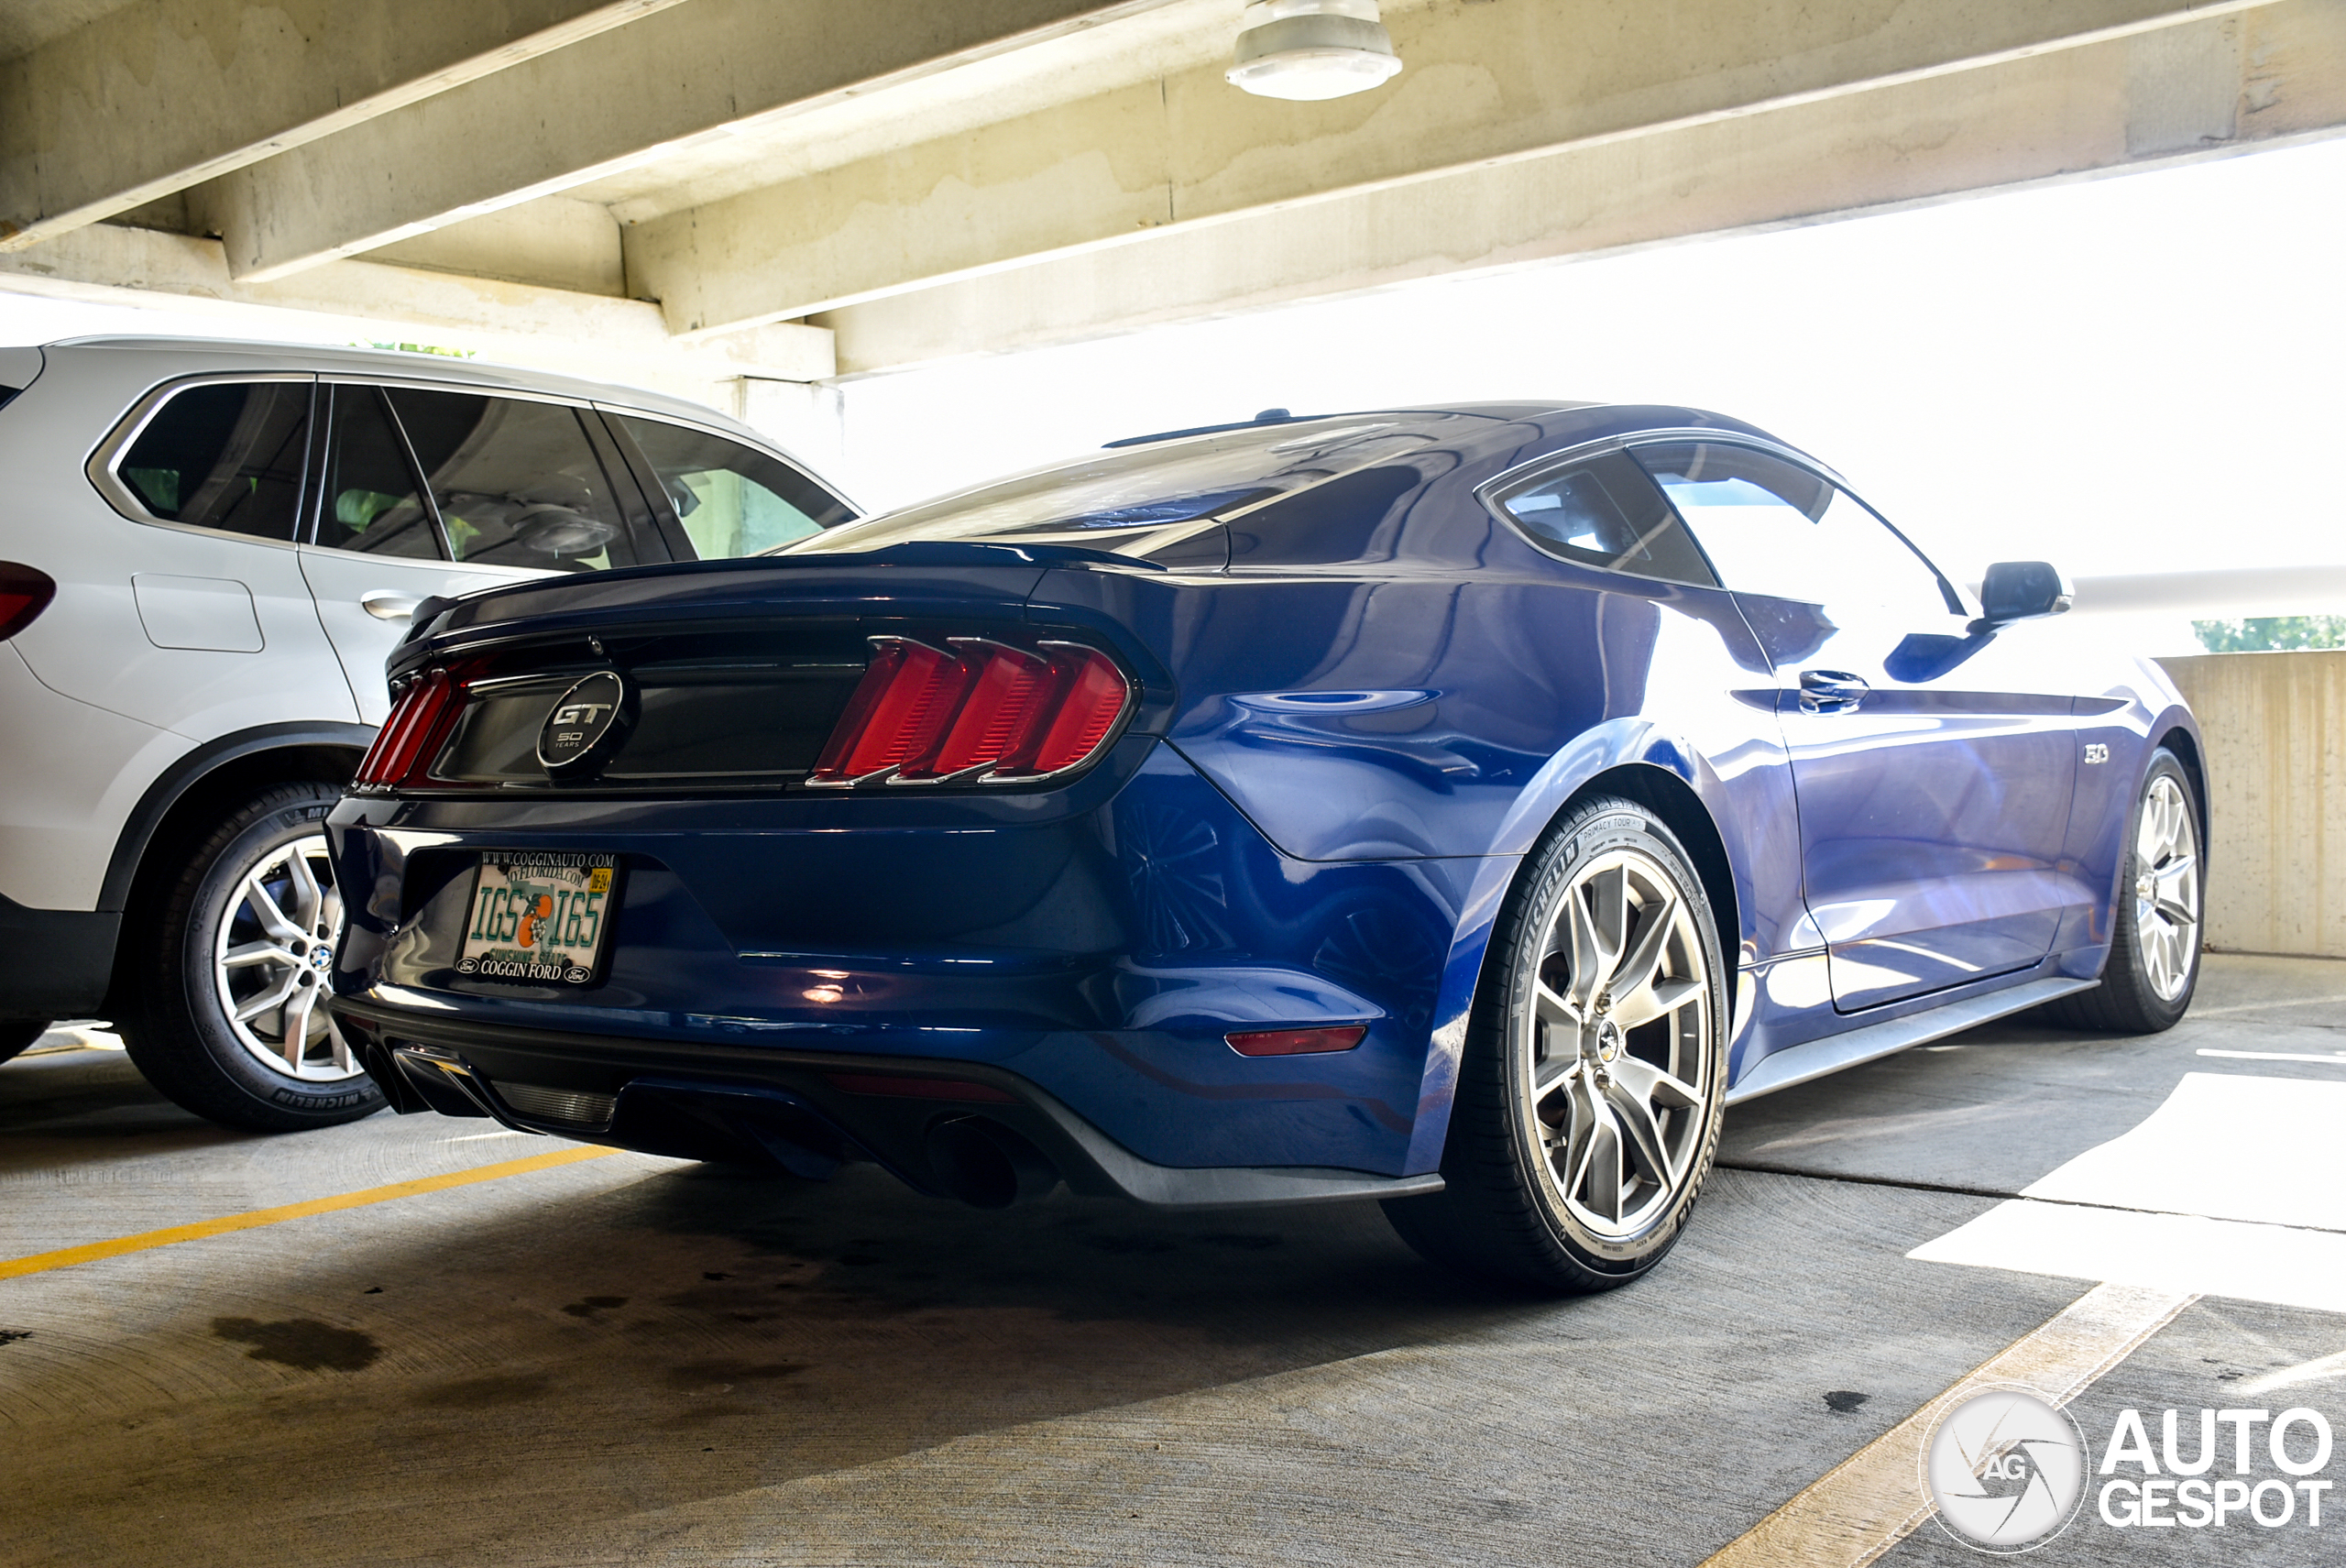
987 1166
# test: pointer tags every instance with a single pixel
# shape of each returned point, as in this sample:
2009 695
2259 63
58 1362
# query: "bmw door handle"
1830 691
385 605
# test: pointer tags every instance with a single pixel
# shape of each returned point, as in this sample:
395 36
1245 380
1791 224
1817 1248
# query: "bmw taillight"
974 711
418 727
25 592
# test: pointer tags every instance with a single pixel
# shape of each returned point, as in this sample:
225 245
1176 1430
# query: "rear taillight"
418 727
25 592
976 711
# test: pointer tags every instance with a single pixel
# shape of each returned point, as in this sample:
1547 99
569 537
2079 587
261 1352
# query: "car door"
443 490
1931 766
200 619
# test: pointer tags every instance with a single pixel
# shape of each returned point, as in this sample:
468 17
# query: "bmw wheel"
2154 947
1591 1091
228 1018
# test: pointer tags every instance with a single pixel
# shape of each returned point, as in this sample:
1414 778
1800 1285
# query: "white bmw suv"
206 551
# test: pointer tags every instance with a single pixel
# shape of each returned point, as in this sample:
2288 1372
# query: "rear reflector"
411 737
985 712
1297 1042
25 592
921 1087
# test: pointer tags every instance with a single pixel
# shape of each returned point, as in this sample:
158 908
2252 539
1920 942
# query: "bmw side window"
225 455
1773 528
733 500
517 482
1605 513
370 500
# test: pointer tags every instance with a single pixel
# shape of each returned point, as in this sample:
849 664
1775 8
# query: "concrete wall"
2275 726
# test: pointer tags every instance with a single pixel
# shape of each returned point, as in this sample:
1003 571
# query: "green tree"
2272 633
417 348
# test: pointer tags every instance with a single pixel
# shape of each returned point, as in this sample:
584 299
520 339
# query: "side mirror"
2019 590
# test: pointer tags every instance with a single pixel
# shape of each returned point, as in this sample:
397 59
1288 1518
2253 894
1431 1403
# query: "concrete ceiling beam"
587 335
1485 85
2203 88
600 107
162 94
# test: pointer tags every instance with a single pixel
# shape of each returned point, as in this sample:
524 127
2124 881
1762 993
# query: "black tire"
1504 1213
178 1030
2137 995
16 1035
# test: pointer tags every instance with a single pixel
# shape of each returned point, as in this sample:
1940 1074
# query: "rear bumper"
807 1111
55 963
1091 948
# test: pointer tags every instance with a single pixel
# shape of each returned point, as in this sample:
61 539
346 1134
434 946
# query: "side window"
517 483
1771 527
225 455
1605 513
733 500
370 500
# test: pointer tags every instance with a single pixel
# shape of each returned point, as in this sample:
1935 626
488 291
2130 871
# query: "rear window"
1144 502
731 499
225 455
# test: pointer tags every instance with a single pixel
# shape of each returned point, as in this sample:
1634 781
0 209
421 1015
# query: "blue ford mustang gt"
1459 807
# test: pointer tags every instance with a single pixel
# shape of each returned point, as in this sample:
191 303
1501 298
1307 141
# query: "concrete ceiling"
795 188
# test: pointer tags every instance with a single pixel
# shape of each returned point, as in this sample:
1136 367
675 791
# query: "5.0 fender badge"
585 724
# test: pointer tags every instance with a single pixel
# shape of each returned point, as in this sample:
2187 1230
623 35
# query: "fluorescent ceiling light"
1307 50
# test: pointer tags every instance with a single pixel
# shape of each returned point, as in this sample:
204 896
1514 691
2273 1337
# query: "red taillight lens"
1297 1042
25 592
1092 696
413 735
1009 690
985 711
906 698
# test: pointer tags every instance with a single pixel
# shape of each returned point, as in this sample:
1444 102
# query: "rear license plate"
541 916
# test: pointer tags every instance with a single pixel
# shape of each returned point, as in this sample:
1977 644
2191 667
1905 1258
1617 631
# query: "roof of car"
204 353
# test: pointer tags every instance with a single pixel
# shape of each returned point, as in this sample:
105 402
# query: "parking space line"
1874 1499
2335 1058
42 1262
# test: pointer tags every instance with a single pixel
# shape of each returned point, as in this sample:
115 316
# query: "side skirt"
1798 1064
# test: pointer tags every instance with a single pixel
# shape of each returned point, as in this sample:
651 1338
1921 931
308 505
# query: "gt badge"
2097 753
585 724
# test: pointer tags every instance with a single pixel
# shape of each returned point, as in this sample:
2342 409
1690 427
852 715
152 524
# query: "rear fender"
1617 744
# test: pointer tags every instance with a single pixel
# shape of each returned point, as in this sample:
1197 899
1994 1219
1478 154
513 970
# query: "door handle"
385 605
1830 691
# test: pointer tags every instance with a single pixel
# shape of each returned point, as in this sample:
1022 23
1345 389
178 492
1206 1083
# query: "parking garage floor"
485 1350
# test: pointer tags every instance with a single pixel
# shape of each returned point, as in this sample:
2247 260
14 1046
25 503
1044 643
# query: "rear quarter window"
225 456
1603 511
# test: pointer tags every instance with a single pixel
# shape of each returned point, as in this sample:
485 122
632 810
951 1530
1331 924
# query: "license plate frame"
517 895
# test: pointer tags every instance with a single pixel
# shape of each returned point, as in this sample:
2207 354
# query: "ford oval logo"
584 725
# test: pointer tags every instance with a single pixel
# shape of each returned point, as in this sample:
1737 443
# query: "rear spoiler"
948 553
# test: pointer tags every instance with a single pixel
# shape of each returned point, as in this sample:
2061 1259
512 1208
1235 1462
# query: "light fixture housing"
1305 50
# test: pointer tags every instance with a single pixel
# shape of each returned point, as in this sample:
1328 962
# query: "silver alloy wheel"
271 956
1619 1062
2167 888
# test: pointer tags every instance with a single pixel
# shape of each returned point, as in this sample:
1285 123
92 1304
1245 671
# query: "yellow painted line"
42 1262
1874 1499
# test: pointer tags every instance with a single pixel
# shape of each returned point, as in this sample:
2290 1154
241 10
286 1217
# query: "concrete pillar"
2275 729
805 418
